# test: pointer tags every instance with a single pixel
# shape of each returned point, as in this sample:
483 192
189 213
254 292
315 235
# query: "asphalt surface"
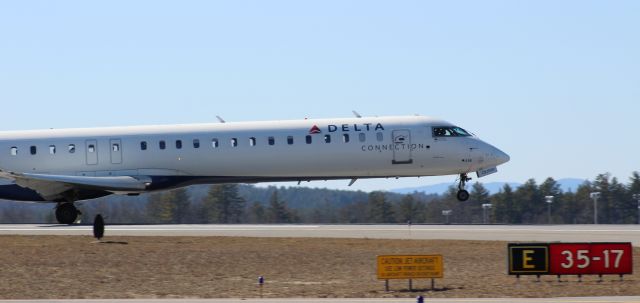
506 300
520 233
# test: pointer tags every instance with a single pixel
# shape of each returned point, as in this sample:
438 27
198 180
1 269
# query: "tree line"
233 203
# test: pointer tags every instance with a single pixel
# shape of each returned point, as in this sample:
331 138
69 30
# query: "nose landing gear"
463 195
66 213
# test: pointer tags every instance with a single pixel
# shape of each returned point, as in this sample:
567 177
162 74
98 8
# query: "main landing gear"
463 195
67 213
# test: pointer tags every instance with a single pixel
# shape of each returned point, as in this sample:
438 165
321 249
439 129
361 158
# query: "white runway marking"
514 233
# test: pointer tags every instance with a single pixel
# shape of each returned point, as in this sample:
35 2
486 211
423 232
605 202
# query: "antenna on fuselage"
356 114
221 120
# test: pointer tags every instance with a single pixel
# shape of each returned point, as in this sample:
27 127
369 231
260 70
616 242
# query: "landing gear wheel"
462 195
66 213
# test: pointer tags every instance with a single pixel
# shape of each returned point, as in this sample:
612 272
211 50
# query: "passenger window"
52 149
290 140
115 147
14 151
162 144
196 143
345 138
380 137
309 139
91 148
327 138
34 150
214 143
272 141
178 144
143 145
252 141
362 137
234 142
72 148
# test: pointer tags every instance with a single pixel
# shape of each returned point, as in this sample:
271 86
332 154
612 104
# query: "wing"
54 187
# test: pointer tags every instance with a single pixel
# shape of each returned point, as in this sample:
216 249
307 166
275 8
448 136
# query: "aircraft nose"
501 157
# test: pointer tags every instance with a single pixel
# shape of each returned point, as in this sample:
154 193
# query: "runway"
521 233
395 300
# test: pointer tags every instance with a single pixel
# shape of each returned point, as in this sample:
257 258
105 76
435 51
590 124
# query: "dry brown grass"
53 267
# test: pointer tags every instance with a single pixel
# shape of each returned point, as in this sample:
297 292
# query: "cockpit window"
461 132
450 131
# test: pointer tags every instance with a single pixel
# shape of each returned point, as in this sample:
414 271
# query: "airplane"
64 166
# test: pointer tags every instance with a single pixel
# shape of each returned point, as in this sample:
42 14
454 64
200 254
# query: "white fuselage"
250 151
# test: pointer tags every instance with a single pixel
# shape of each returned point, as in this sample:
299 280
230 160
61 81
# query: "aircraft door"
91 149
116 151
402 147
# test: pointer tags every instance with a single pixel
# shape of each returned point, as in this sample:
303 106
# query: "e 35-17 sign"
570 259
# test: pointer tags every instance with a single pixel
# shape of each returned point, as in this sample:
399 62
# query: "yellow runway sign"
410 267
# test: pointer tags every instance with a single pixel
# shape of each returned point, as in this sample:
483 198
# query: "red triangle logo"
315 130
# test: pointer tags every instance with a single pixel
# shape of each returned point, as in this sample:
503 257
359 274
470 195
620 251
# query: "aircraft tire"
66 213
462 195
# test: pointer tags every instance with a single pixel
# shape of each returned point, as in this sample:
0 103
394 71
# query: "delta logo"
315 130
348 128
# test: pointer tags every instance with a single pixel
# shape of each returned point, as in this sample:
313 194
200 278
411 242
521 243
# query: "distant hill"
567 184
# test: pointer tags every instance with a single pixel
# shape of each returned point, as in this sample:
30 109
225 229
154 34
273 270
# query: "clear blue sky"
556 84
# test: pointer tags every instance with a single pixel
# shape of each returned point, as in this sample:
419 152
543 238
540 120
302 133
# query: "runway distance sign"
570 258
528 258
591 258
410 267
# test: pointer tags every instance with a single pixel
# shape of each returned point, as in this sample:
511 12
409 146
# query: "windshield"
450 131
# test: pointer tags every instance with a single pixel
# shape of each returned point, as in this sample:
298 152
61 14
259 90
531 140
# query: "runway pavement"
428 300
565 233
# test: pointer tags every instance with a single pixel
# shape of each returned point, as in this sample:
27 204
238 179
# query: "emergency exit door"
402 147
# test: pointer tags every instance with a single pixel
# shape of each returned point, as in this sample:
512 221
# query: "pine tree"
583 212
182 206
634 189
380 210
356 212
634 183
603 186
168 207
160 208
529 203
277 211
256 213
410 209
503 201
223 204
473 210
620 212
551 188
